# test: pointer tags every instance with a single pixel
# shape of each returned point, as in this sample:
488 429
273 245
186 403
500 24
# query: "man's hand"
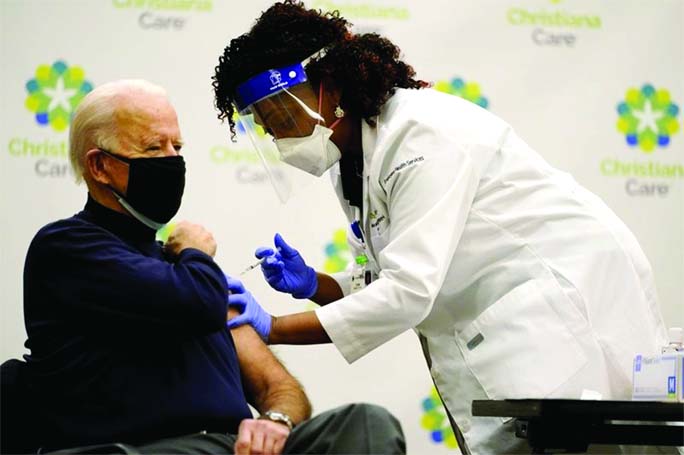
190 235
261 437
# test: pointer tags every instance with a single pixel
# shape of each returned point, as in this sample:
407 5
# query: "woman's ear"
332 96
97 167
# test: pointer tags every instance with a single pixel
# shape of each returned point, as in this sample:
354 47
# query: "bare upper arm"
261 371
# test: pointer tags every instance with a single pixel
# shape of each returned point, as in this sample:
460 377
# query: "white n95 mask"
313 154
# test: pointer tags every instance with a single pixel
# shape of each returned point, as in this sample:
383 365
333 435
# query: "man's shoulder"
63 225
66 230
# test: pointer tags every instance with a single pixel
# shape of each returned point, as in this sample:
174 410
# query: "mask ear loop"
320 104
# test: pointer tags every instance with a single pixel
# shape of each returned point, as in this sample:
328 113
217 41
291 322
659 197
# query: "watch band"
277 416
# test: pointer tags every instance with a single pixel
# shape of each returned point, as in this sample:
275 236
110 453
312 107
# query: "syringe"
255 265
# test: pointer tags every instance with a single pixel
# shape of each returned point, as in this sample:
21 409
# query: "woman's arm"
328 290
298 328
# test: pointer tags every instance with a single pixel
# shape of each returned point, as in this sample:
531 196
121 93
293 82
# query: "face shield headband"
273 81
267 84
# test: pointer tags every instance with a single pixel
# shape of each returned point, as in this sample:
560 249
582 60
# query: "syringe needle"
256 264
253 266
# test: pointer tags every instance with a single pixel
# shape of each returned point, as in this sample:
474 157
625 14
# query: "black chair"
21 420
100 449
19 423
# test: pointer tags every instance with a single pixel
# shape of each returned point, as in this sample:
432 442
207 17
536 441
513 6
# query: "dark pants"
350 429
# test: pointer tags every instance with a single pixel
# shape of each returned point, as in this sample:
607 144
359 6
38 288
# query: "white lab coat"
519 282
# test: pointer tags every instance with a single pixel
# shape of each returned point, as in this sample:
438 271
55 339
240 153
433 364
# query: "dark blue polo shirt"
126 344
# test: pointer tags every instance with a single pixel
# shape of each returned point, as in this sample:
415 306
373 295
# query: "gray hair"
94 124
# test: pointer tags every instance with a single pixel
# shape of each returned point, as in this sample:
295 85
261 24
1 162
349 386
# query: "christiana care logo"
240 155
164 15
365 9
466 90
557 24
647 118
54 93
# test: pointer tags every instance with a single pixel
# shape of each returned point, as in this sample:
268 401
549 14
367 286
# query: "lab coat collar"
369 134
369 137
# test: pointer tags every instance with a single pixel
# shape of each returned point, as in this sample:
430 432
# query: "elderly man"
128 339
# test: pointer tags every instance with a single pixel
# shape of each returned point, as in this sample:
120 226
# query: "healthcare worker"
518 282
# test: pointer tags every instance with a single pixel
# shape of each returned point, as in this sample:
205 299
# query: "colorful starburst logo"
337 257
647 118
466 90
436 421
54 93
337 252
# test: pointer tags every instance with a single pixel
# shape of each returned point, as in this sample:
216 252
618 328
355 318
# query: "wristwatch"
277 416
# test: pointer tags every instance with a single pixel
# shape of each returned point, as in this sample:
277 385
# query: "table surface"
587 409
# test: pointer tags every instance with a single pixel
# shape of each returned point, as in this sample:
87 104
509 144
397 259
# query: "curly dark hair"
365 67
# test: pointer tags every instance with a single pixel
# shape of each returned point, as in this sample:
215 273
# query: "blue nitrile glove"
251 311
286 271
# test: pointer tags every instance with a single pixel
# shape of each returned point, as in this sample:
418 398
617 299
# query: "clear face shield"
280 111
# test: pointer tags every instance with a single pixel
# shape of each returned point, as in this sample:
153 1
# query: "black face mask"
155 188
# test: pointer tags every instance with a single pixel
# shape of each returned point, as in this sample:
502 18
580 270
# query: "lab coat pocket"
519 347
